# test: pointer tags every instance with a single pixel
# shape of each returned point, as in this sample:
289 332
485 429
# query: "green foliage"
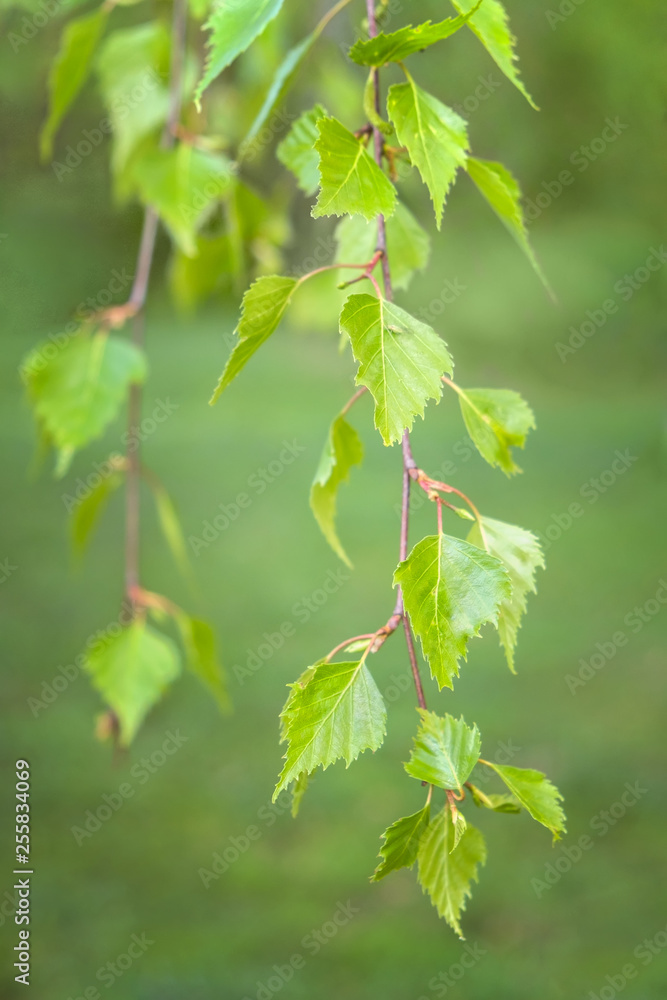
536 794
342 451
297 150
446 871
233 26
87 512
401 361
445 751
77 390
408 244
435 136
497 421
450 589
493 801
490 24
351 183
339 712
201 656
171 527
403 43
521 555
401 843
131 671
70 70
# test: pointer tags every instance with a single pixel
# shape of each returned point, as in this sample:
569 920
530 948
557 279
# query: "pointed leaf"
491 25
401 361
460 827
297 150
447 874
520 553
536 794
87 512
445 751
408 245
435 136
351 183
70 70
202 657
131 671
497 421
234 25
171 528
339 713
498 803
502 192
450 589
401 843
398 45
342 451
261 311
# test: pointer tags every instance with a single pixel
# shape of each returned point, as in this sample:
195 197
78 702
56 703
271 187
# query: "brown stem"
136 304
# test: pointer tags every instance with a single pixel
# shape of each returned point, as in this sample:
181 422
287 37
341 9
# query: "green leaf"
70 70
497 421
408 245
171 528
339 713
445 751
233 26
201 656
279 86
194 279
447 874
450 589
435 136
87 512
398 45
78 391
536 794
498 803
297 150
502 192
299 789
401 361
342 451
133 67
401 843
491 25
521 555
261 311
351 183
131 671
460 827
182 184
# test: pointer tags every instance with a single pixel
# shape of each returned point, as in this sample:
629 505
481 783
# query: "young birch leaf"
445 751
447 874
498 803
131 671
171 528
351 183
401 361
342 451
181 185
408 245
450 589
536 794
299 789
70 70
502 192
297 150
87 512
435 136
79 391
521 555
401 843
339 713
234 25
497 421
202 658
261 311
491 25
398 45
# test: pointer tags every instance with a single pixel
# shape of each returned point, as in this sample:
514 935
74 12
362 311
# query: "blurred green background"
140 873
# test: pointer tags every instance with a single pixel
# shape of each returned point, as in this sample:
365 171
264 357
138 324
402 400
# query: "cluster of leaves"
451 587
